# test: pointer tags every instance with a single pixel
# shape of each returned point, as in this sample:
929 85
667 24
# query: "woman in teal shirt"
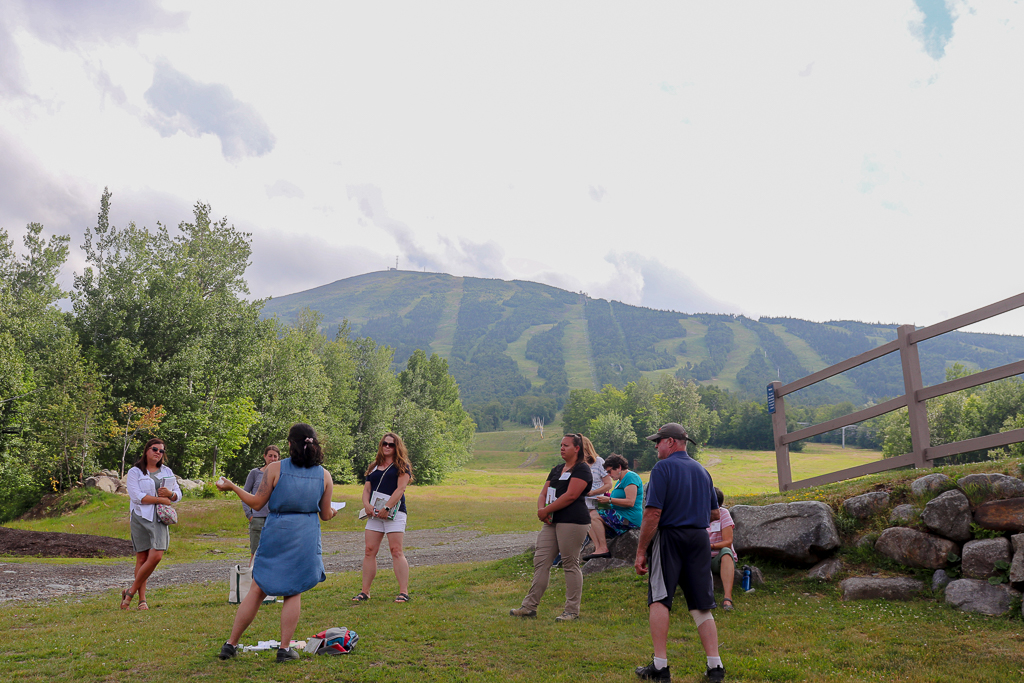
626 505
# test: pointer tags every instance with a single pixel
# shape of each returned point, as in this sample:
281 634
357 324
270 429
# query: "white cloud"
803 160
184 105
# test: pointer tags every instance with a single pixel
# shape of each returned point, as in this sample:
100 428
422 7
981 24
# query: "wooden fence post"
920 435
782 468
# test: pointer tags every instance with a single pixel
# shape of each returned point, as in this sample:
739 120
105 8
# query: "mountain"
505 339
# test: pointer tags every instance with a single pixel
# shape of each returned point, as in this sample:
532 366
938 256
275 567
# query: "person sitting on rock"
624 503
723 555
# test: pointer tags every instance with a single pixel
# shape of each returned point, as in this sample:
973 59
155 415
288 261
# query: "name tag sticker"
565 475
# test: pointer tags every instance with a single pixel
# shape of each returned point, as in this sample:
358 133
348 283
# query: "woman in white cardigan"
149 483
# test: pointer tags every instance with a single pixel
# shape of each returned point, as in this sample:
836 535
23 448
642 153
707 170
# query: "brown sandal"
126 597
143 606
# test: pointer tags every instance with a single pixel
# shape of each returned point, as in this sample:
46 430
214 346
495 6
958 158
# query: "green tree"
436 429
164 318
377 391
611 432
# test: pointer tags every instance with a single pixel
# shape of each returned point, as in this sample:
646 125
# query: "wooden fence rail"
922 453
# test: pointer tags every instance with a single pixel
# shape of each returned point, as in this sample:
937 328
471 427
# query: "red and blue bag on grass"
333 641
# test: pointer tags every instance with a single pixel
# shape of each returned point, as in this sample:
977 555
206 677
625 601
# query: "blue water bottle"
746 579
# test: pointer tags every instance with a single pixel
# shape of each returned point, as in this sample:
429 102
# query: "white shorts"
388 526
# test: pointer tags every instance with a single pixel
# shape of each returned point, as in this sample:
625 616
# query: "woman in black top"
562 508
386 480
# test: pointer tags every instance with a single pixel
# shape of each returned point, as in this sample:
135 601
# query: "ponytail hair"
303 446
589 452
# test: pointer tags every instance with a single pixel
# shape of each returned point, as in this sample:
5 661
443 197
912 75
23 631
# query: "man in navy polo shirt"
679 504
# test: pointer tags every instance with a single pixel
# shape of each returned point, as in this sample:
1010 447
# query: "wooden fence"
923 454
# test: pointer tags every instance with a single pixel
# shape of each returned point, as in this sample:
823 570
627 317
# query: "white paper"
551 496
337 506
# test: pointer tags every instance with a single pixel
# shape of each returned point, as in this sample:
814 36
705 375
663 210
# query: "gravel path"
342 551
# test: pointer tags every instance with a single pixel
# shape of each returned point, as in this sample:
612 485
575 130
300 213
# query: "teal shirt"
634 514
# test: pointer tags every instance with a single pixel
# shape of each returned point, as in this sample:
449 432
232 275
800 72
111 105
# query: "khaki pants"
566 539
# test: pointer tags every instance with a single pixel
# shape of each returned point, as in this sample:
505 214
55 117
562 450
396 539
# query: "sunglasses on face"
157 450
388 444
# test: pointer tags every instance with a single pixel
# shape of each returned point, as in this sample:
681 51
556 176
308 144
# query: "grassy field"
457 627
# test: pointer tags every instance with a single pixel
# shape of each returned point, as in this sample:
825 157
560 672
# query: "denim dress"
288 560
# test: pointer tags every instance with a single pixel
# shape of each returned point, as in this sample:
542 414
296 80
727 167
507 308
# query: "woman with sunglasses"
384 503
149 483
562 508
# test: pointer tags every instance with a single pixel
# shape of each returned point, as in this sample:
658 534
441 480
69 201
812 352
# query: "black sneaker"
288 655
227 651
716 674
651 674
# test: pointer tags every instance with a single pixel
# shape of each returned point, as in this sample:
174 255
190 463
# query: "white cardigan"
139 485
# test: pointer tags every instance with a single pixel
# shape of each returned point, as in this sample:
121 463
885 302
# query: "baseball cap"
672 430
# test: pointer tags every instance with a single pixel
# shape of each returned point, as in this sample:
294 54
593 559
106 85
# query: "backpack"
333 641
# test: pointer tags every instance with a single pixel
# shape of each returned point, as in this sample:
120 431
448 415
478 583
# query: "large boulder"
188 484
931 484
1001 515
949 515
867 504
872 588
915 548
975 595
980 557
801 532
103 483
1017 566
992 486
621 547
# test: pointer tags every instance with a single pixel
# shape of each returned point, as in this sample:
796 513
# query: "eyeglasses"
157 450
388 444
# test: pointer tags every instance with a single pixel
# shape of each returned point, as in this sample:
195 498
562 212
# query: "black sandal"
362 597
403 597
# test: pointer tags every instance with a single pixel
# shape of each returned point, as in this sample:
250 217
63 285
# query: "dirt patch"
56 544
342 552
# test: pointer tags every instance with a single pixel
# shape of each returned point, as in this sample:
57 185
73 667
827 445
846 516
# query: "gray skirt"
148 535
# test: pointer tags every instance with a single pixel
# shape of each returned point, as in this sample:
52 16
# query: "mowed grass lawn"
457 626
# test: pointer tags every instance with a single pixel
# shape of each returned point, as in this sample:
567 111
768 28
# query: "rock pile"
934 531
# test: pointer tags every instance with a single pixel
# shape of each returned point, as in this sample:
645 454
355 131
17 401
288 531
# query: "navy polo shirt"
683 490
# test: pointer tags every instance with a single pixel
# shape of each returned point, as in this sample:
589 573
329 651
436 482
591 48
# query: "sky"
826 161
